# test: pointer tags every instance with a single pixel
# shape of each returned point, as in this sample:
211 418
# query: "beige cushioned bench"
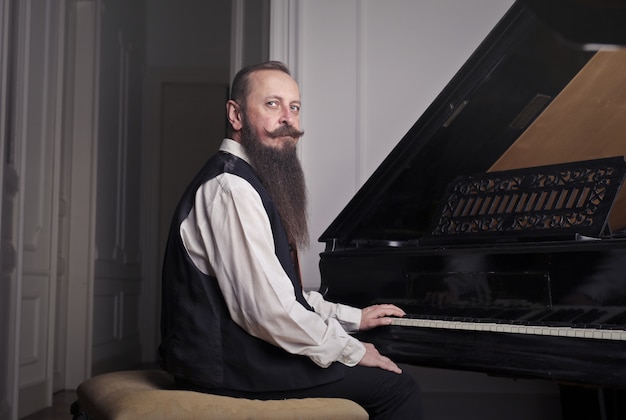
150 394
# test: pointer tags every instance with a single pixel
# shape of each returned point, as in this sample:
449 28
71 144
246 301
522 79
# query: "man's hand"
373 358
377 315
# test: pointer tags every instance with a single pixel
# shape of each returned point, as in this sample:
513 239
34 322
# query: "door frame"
9 389
80 152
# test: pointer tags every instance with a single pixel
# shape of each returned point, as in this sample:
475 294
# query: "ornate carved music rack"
563 201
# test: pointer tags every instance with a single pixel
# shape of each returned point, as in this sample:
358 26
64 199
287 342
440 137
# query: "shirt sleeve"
348 316
228 235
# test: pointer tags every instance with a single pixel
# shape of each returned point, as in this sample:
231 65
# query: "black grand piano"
498 221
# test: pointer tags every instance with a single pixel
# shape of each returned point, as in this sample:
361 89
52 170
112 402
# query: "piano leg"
591 403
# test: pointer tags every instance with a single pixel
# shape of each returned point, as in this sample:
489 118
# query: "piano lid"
479 122
589 23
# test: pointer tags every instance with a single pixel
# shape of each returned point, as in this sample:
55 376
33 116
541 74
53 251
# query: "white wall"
367 70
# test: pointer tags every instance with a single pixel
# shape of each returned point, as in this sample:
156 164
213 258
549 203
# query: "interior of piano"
587 120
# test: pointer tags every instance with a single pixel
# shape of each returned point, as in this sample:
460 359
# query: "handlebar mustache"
285 131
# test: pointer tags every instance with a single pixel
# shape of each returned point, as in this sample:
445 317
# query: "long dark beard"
280 172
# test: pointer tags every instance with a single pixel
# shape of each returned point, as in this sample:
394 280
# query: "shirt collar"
234 148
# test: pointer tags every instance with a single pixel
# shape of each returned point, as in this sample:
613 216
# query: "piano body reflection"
486 292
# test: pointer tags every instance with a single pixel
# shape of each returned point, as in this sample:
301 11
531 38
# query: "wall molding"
284 40
9 292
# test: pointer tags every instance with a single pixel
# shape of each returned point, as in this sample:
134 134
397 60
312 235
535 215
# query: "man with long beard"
235 320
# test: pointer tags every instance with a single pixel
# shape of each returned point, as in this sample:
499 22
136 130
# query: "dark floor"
60 409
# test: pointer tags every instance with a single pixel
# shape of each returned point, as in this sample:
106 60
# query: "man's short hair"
241 87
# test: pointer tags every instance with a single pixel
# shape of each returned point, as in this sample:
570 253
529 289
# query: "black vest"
200 342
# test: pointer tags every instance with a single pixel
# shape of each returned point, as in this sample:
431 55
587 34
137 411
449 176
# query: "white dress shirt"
228 236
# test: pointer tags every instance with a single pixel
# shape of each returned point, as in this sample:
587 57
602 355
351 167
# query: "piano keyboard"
501 327
601 323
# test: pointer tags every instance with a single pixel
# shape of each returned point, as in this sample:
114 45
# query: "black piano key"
619 319
539 315
562 316
589 317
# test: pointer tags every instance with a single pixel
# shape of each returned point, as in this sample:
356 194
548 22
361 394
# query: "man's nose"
286 117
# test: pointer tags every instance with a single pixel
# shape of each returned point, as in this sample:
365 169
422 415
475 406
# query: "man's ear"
233 113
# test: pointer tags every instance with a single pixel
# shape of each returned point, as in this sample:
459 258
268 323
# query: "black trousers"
383 394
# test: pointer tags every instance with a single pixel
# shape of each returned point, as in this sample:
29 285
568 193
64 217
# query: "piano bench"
150 394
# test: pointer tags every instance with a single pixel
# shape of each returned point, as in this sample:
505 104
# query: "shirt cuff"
349 318
352 353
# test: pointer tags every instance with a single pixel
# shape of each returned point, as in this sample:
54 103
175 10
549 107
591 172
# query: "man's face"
272 108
